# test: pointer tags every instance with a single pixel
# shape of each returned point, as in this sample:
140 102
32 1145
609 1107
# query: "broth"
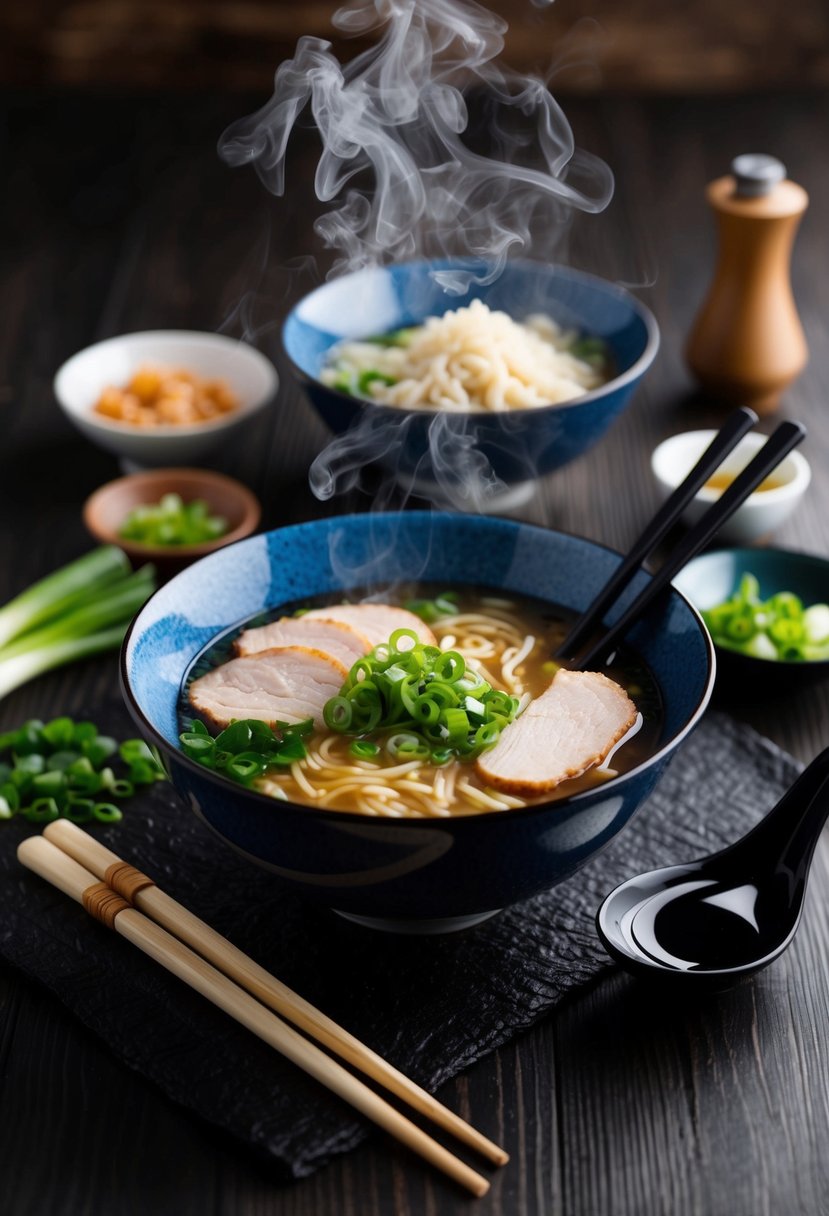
509 639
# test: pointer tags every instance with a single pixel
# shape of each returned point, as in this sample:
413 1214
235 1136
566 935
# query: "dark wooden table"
117 216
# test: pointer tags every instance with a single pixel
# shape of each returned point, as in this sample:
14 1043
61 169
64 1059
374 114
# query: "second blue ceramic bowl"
420 873
517 445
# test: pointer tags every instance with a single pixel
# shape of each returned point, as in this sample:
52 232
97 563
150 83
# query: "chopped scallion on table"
59 769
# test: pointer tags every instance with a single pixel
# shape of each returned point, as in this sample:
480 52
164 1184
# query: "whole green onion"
61 591
80 610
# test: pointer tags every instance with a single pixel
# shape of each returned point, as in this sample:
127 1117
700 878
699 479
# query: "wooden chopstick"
51 863
787 436
726 439
174 917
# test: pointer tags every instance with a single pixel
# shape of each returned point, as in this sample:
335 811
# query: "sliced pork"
377 622
334 638
286 684
569 728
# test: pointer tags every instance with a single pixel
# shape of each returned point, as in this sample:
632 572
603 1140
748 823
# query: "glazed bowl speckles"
416 874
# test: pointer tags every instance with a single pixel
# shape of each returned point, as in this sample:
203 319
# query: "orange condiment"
158 396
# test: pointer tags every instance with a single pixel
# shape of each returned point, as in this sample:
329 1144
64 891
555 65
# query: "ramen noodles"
471 359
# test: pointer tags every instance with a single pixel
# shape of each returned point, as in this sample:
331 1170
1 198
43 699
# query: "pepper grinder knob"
756 174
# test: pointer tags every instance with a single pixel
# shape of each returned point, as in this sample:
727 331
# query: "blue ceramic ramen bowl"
424 447
415 874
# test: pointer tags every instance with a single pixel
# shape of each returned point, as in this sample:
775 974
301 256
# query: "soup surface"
509 641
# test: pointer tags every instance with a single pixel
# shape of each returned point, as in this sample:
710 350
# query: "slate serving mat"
431 1006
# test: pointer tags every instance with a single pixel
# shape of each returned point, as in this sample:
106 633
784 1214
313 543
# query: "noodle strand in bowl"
470 359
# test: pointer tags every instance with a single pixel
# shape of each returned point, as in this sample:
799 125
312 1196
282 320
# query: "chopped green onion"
407 746
394 337
590 350
171 521
196 746
41 810
367 378
338 713
364 749
44 778
79 810
59 733
106 812
778 629
246 748
427 702
244 768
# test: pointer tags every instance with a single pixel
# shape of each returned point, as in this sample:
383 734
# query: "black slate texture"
432 1006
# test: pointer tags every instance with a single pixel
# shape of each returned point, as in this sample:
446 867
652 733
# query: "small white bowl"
80 381
762 512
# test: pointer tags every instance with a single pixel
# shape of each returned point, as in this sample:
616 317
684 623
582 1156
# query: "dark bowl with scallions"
426 874
767 611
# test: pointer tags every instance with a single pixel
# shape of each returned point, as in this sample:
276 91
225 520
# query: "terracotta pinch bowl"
105 511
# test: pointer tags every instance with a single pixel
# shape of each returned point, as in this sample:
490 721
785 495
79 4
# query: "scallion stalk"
23 667
80 610
114 603
61 591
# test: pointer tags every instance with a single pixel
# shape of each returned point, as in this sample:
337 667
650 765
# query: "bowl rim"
634 372
771 665
296 809
792 489
88 416
133 548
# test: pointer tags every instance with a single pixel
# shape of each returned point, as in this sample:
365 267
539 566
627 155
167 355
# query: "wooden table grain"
118 216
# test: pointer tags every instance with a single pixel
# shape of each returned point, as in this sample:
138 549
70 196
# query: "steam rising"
398 113
400 170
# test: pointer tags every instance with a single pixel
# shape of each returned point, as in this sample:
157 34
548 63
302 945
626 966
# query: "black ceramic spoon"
716 920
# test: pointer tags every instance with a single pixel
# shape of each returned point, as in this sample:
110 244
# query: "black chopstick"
787 436
729 435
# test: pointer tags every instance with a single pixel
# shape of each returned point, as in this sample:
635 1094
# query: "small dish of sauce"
722 479
762 512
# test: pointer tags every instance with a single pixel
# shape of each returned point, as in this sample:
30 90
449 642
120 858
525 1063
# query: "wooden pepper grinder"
747 343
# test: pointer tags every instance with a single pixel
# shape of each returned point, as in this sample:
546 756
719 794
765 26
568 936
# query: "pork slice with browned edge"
376 621
570 728
286 684
334 638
